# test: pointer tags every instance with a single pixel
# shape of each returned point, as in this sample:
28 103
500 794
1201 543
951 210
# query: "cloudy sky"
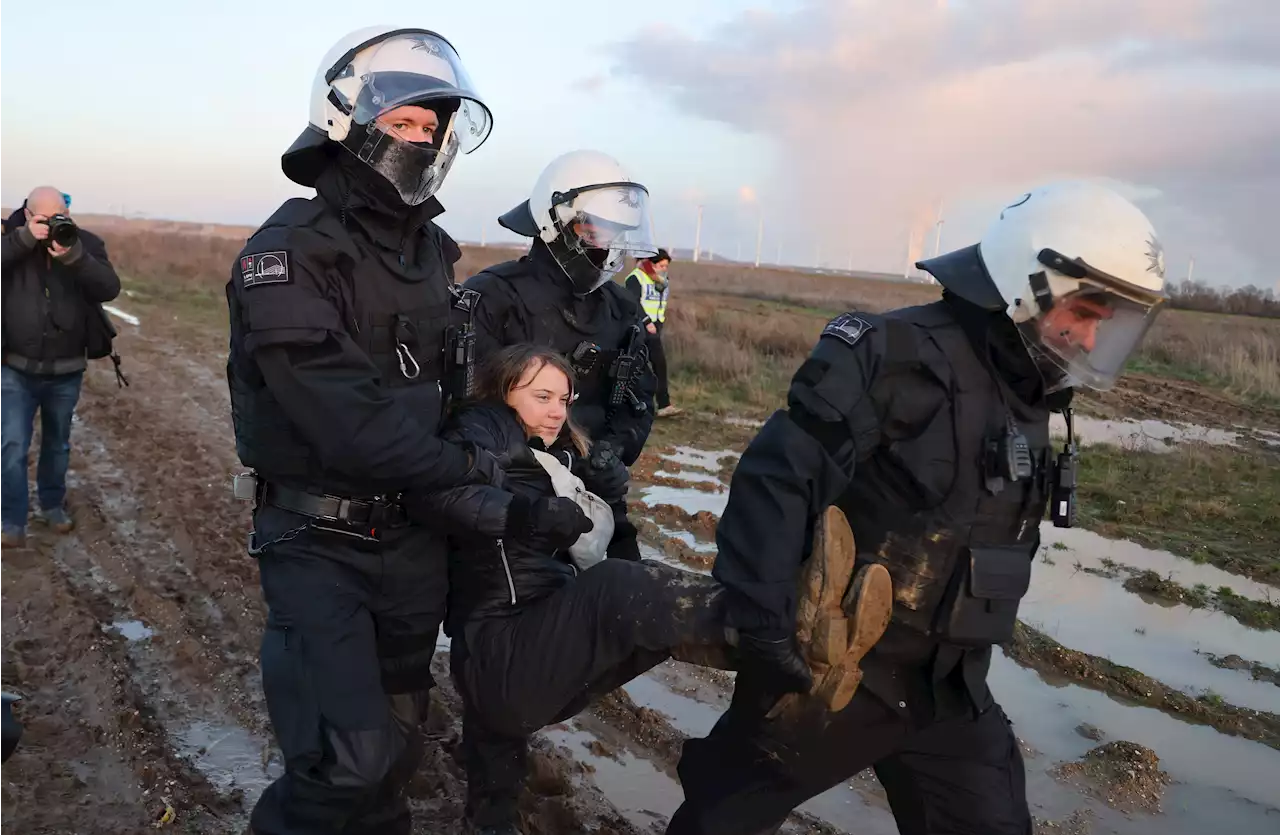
844 125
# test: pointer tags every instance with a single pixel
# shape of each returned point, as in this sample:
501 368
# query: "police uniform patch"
848 328
265 268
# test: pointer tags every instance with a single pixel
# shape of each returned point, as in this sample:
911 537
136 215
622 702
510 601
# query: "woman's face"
541 399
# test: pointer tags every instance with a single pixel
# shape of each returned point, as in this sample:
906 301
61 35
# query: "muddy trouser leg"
336 609
957 776
496 768
746 776
523 672
407 615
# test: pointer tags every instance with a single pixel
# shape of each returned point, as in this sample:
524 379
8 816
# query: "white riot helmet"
589 213
371 72
1079 270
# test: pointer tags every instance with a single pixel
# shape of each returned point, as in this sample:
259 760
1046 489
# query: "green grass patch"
1210 504
199 304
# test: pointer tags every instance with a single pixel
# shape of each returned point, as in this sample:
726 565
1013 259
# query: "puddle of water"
687 456
121 315
691 476
687 498
648 552
1096 615
131 630
689 539
1223 783
1150 435
1090 549
228 755
642 793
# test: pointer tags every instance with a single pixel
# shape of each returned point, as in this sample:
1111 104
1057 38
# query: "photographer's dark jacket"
489 574
47 301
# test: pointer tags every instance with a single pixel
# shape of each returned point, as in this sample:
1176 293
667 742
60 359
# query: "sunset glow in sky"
843 124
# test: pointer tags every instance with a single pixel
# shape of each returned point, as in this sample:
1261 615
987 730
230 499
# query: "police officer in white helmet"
586 216
927 429
342 312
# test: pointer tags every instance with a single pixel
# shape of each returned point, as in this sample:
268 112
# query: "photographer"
54 274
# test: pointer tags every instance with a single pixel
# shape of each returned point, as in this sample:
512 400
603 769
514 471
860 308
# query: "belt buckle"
344 511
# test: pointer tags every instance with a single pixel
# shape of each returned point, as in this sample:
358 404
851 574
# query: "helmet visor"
613 216
413 68
1088 335
600 226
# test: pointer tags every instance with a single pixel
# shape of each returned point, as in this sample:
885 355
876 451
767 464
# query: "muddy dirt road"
134 644
134 640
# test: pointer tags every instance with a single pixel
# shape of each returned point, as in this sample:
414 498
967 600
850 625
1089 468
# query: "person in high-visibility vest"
649 284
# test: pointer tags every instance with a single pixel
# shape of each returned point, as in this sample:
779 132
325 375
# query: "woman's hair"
502 373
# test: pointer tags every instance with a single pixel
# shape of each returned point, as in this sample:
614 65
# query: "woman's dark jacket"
489 573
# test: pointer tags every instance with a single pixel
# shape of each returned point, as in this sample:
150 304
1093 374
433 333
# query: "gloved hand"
776 661
485 468
604 473
554 522
604 456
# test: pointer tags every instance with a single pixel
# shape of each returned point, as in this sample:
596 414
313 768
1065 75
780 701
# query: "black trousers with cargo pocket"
351 630
549 660
958 776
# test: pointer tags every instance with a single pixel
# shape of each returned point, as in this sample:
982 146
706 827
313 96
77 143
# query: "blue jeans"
22 394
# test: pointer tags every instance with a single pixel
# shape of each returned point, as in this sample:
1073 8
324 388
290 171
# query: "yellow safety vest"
653 298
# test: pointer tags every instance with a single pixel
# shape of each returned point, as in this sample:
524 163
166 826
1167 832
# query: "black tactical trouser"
546 663
346 656
658 358
962 776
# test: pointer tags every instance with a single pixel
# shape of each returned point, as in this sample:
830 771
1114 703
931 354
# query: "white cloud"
884 108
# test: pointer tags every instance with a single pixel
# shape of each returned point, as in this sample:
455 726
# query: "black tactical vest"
589 332
957 538
401 323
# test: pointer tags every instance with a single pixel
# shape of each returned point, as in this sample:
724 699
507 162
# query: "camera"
63 231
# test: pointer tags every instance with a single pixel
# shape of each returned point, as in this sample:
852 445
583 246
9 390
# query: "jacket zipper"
511 585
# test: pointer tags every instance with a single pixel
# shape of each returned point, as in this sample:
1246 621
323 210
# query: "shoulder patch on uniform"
848 328
265 268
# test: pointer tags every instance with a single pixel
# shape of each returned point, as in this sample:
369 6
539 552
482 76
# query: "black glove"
485 468
554 522
604 456
605 474
775 661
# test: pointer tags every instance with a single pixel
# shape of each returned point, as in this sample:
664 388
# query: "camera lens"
63 231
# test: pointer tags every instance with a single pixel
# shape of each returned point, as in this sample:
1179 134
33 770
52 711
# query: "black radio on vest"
1062 509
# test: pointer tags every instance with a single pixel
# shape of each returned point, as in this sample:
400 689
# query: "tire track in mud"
94 748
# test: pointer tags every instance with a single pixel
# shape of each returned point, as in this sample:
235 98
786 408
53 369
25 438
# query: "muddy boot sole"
839 616
868 608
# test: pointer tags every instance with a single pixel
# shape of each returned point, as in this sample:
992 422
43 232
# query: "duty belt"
358 513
